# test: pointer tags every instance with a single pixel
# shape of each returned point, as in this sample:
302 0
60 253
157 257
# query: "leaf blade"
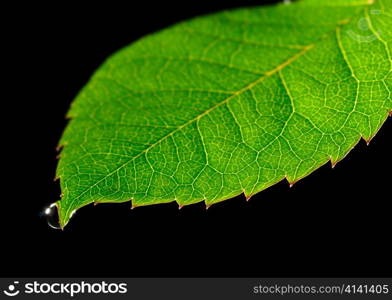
237 117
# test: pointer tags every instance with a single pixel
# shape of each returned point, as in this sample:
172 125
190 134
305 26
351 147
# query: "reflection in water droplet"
52 216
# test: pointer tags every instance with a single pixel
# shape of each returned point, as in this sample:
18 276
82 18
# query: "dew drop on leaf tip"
52 216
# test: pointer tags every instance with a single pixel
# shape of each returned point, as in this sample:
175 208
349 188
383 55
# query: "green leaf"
229 103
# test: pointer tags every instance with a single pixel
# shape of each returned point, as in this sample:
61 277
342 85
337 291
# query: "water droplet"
52 216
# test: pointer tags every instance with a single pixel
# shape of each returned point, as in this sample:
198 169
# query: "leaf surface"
229 103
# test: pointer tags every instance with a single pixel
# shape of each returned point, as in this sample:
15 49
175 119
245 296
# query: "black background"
332 223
